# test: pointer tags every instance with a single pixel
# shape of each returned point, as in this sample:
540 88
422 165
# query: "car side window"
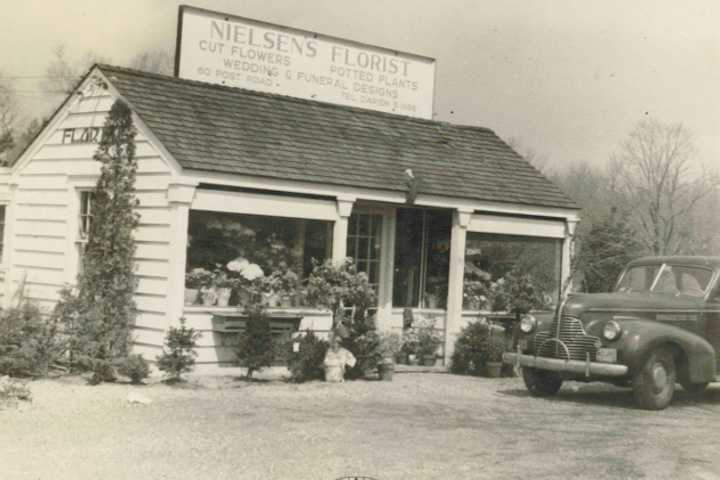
666 283
715 295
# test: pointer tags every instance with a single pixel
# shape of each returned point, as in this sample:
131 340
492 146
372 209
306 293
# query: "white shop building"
224 170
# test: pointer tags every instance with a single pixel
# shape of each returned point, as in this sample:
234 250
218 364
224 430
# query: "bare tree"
160 60
654 175
8 117
535 159
62 75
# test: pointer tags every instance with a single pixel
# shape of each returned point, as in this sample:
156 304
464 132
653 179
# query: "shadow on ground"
610 396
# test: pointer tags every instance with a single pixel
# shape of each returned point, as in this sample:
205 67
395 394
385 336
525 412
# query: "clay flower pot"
191 295
223 297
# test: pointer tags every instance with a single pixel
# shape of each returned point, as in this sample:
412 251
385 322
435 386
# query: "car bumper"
573 366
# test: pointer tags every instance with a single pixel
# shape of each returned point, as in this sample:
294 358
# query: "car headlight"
527 323
611 331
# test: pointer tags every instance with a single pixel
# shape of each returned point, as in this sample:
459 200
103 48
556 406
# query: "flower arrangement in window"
518 294
196 280
479 293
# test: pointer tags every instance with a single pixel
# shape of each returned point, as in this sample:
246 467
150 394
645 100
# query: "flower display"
238 264
252 272
249 271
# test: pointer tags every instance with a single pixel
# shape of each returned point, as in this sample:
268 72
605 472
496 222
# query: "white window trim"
526 227
76 185
6 236
263 204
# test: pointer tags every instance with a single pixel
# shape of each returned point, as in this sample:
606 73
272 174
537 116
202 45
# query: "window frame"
554 241
423 266
4 234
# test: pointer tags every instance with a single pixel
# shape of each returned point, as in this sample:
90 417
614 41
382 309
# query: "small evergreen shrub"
367 351
103 370
30 343
179 353
136 368
471 349
11 391
307 362
256 348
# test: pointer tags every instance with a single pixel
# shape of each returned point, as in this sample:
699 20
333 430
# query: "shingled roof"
231 130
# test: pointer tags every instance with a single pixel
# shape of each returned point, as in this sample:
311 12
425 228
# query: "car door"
712 323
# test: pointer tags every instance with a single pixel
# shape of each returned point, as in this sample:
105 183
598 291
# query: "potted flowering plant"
389 347
195 280
518 293
288 286
409 347
428 342
223 284
495 350
244 275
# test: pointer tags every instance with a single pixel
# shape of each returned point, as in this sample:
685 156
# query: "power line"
21 77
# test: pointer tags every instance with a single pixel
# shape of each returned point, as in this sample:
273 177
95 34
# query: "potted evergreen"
495 350
389 347
427 344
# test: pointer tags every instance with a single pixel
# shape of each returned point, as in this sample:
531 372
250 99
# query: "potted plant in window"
223 284
195 280
243 274
389 347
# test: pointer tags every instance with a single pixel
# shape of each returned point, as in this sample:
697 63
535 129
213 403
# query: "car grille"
571 333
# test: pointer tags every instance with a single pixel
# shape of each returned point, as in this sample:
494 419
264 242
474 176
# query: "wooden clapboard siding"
93 103
154 215
43 244
41 212
38 275
151 320
56 244
152 268
151 336
150 233
54 228
152 198
24 196
80 166
153 250
151 285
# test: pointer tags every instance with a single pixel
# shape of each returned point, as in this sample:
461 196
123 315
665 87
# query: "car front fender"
640 337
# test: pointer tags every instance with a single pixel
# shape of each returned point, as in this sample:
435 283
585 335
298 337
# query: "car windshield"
673 279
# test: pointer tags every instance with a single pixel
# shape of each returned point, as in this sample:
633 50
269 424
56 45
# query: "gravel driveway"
418 426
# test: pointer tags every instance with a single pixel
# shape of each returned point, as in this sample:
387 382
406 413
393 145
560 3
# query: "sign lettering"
81 135
234 51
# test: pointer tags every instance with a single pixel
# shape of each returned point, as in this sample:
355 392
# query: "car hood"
617 302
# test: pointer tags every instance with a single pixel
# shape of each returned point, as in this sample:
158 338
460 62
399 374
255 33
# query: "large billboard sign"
218 48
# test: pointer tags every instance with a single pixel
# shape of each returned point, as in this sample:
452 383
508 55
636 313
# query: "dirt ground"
417 426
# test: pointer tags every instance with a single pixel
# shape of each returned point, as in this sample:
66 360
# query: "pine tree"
608 247
105 306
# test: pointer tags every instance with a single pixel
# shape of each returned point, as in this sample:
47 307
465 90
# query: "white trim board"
505 225
261 204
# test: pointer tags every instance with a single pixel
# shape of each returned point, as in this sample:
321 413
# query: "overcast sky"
567 78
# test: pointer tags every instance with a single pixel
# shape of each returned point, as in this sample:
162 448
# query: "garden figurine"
336 360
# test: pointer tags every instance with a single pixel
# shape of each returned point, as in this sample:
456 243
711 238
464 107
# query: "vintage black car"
661 325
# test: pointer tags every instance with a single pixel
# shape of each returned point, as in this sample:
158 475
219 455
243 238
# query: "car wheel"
654 383
541 383
694 389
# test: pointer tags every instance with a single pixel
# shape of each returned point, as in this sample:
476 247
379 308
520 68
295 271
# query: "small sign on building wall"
218 48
